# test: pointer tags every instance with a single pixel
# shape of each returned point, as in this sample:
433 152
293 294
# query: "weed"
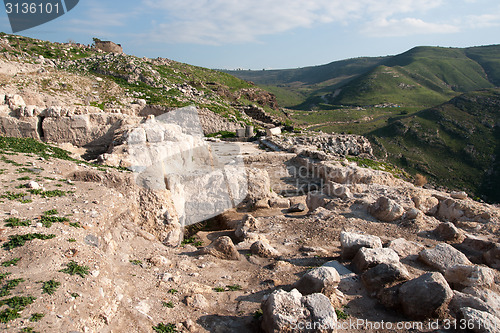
135 262
169 305
17 302
24 178
11 284
48 194
173 291
74 269
16 222
28 330
8 315
20 240
13 196
6 160
12 262
71 240
3 276
341 314
257 314
50 287
219 289
51 212
48 220
36 317
234 287
75 295
165 328
75 224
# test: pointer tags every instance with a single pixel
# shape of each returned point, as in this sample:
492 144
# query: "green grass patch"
165 328
9 285
12 262
20 240
36 317
12 222
50 287
47 221
18 302
72 268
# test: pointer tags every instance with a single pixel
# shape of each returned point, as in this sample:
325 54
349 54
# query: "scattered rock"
492 257
279 202
458 195
427 204
247 227
290 311
443 256
386 209
461 300
351 242
33 185
447 231
384 274
297 208
316 199
264 249
462 276
488 296
197 301
405 248
367 258
160 261
337 190
319 280
480 321
223 248
425 297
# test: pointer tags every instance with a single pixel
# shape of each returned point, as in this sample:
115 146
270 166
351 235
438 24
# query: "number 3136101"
32 8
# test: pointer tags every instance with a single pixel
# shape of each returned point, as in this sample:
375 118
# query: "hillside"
161 83
454 144
421 77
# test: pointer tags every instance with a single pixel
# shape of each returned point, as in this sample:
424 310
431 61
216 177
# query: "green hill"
421 77
456 144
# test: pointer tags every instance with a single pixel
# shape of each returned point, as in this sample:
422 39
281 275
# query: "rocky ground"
130 281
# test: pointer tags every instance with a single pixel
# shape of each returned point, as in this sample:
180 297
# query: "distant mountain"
457 144
421 77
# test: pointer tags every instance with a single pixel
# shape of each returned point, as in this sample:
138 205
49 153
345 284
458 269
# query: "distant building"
108 46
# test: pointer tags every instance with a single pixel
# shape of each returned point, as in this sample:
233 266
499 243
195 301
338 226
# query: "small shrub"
47 220
420 180
219 289
11 284
71 240
341 314
173 291
18 302
136 262
234 287
8 315
74 269
257 314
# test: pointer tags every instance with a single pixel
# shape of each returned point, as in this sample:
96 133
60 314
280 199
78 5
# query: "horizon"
257 35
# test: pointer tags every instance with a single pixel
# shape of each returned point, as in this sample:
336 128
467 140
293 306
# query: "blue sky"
257 34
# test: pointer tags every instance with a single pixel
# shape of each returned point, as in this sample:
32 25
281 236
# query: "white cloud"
235 21
483 21
406 27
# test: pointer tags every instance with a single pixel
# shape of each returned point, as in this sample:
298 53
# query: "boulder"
337 190
291 312
297 208
351 242
488 296
450 210
367 258
462 276
223 248
425 297
197 301
247 227
386 209
259 185
427 204
316 199
492 257
461 300
384 274
447 231
264 249
405 248
458 195
319 280
443 256
273 131
480 321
